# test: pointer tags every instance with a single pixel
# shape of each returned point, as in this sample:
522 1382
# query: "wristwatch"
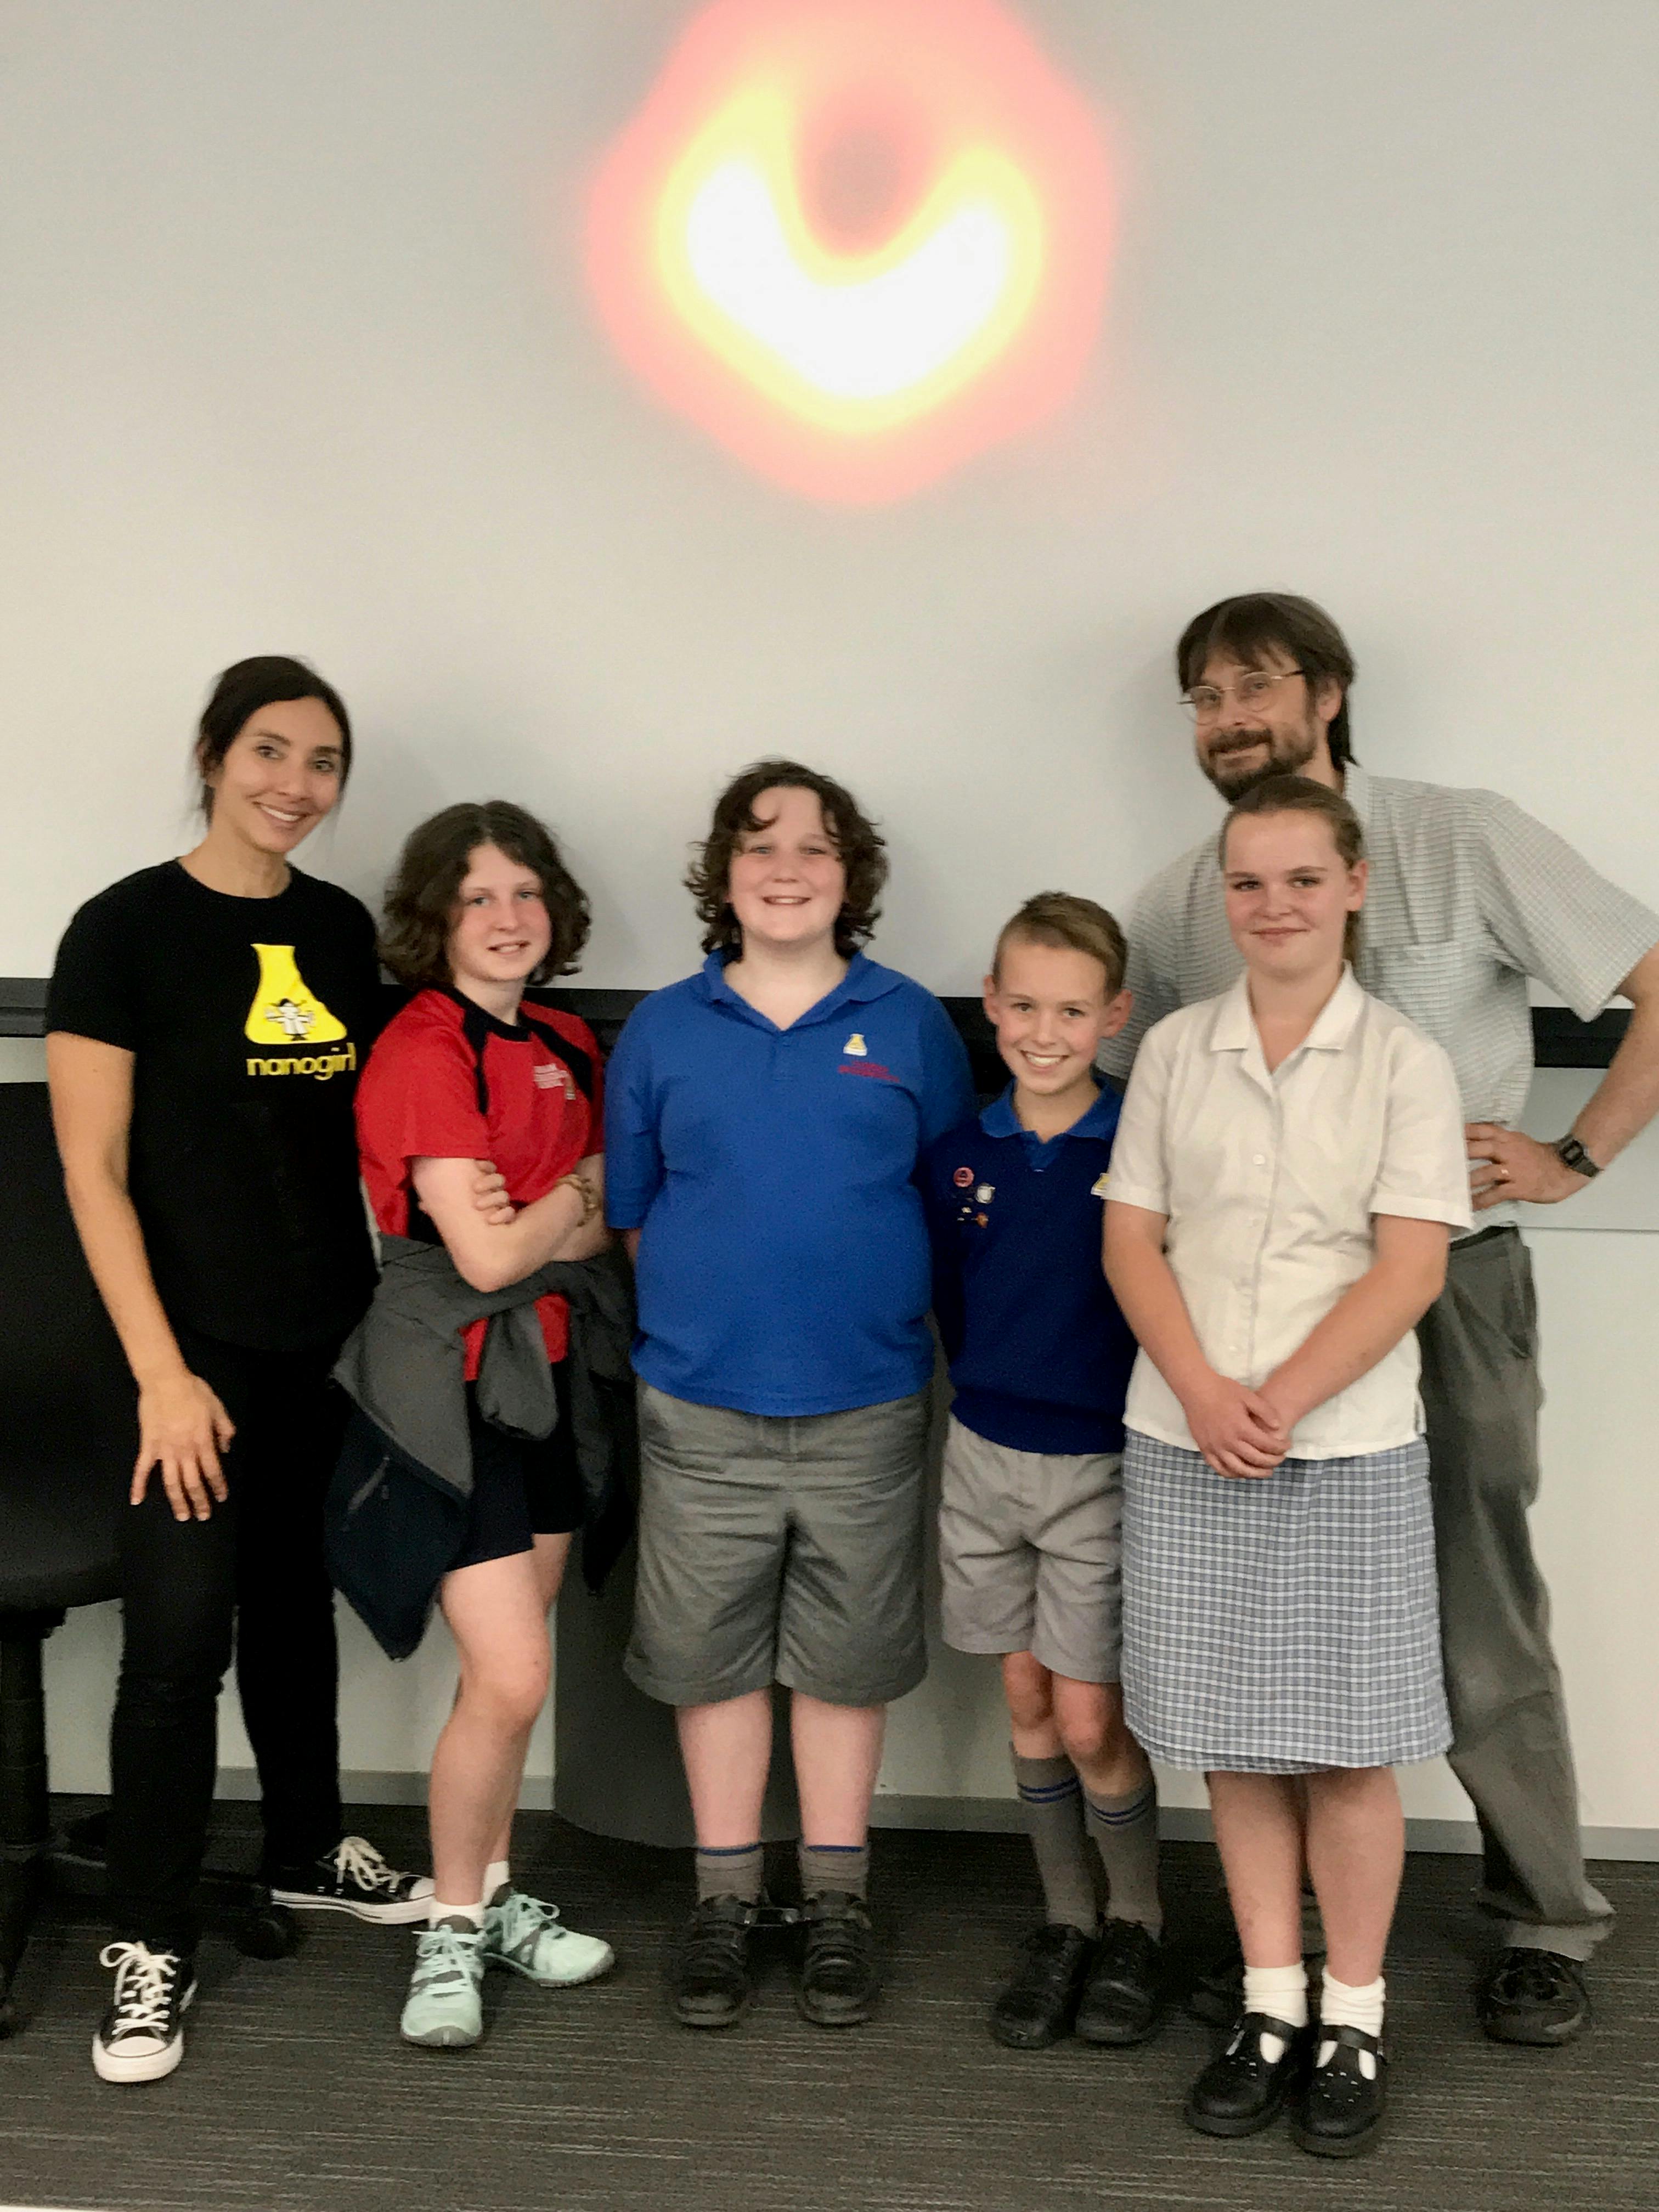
1571 1154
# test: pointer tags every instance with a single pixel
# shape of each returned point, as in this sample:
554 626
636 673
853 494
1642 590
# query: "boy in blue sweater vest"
1031 1505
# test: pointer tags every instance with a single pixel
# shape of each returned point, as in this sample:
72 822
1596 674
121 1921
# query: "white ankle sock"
497 1875
1343 2005
437 1910
1280 1992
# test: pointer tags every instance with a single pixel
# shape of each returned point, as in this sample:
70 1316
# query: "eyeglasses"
1203 701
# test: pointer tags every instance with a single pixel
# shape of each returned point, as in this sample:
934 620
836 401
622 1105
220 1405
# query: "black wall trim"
1559 1039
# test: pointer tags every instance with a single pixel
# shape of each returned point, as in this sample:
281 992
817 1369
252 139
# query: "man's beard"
1240 765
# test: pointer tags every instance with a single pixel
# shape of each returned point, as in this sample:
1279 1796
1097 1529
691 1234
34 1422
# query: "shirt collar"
865 978
998 1118
1234 1027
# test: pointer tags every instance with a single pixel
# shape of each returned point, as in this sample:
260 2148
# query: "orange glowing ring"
854 353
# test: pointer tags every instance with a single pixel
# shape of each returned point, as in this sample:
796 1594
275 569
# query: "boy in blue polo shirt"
765 1120
1032 1504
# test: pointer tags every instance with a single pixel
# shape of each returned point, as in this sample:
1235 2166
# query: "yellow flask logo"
283 1011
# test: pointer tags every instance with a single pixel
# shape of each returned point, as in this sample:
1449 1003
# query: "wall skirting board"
1180 1824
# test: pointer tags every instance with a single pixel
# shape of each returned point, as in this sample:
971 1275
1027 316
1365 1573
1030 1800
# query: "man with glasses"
1467 898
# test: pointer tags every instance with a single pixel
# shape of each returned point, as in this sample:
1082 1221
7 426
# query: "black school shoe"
1533 1996
710 1984
1217 1996
1339 2113
840 1978
1242 2091
352 1878
1124 1993
1038 2002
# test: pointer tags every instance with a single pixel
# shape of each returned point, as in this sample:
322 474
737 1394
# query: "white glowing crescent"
866 338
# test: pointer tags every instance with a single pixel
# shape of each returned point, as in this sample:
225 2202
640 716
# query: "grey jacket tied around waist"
397 1511
404 1364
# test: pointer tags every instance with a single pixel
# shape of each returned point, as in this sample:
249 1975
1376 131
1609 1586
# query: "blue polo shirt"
783 1261
1039 1353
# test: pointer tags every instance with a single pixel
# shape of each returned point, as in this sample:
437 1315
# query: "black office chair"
67 1440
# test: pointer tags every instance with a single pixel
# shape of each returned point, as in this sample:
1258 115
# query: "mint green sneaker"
445 2007
523 1933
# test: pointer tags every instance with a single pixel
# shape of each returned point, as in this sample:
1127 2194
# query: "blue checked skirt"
1281 1625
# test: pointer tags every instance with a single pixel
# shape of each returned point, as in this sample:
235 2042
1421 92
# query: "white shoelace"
523 1915
357 1860
144 1982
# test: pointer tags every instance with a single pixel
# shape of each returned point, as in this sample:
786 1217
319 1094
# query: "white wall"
297 357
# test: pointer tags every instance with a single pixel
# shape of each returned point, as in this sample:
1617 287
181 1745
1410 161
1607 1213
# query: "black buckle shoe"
708 1980
1242 2091
1038 2002
1124 1993
839 1976
1340 2114
1533 1996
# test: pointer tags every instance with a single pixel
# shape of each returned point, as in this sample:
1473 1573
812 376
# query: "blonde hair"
1061 918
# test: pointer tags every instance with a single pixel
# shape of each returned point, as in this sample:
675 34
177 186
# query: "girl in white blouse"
1288 1168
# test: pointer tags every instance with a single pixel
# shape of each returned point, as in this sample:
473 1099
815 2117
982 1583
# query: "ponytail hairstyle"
1300 794
245 689
1254 622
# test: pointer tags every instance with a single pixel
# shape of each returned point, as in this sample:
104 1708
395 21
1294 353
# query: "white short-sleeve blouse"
1270 1183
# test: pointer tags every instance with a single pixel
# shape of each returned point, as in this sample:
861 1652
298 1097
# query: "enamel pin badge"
1097 1189
855 1047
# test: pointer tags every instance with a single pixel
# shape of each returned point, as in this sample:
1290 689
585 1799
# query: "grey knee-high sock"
1125 1831
738 1872
1051 1798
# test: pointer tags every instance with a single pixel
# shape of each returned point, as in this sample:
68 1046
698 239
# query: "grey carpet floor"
296 2096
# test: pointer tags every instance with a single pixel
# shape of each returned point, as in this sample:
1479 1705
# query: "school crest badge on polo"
855 1047
283 1011
1097 1189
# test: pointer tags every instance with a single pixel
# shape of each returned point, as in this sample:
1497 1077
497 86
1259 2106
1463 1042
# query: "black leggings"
256 1563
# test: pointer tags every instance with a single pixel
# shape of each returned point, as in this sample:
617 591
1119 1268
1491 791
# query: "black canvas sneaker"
353 1877
142 2036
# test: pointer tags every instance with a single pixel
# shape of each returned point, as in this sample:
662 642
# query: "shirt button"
1260 1159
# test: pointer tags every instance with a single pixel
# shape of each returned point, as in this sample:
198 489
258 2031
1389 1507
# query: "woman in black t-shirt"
205 1024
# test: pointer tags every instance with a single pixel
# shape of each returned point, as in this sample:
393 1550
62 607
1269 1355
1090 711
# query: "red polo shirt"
449 1081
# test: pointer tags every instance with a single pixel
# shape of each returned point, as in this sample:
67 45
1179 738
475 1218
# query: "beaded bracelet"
585 1190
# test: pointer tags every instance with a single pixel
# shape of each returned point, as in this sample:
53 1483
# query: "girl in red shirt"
482 905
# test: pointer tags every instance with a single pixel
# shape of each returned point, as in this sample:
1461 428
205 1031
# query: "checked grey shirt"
1468 897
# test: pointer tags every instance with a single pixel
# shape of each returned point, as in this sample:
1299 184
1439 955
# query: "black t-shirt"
249 1020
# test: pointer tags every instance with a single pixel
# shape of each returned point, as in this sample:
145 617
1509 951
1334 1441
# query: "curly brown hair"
420 899
863 853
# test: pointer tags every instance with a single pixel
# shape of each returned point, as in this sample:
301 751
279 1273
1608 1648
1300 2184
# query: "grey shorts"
1030 1553
779 1548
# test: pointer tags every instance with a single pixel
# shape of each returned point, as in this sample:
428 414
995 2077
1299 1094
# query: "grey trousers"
1510 1749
